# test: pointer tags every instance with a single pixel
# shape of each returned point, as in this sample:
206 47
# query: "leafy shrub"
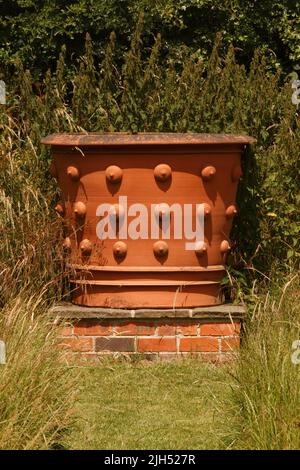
35 31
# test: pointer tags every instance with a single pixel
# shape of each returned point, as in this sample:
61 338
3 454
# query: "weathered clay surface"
124 138
150 169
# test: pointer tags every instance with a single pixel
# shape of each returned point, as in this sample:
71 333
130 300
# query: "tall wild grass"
37 389
266 391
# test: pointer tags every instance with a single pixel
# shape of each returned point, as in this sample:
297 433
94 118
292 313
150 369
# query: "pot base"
147 287
147 297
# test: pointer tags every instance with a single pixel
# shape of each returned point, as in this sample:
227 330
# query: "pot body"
139 264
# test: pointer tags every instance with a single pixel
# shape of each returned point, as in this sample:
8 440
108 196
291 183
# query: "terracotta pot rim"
143 138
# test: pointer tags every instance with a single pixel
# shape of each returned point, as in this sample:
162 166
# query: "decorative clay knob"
207 210
114 174
60 209
73 173
53 170
86 247
236 173
224 247
208 173
162 172
120 249
231 211
201 248
67 245
80 209
160 249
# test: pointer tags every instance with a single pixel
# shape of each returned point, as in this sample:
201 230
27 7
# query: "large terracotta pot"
150 169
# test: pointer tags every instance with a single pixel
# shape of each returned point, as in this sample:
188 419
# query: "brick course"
167 338
92 328
76 344
230 344
199 345
135 328
115 344
162 344
220 329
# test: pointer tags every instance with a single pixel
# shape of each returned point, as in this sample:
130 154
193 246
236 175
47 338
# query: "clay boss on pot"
144 263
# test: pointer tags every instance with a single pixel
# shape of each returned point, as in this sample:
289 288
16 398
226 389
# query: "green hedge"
35 31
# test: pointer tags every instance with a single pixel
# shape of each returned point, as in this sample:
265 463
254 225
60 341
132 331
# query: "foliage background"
35 31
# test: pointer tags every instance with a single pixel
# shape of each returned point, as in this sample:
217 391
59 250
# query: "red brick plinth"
210 332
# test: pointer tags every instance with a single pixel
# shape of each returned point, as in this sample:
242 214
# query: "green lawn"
145 405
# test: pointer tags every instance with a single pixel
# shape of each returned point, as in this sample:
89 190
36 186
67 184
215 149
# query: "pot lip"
91 139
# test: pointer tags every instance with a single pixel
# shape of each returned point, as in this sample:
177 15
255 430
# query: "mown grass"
143 405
